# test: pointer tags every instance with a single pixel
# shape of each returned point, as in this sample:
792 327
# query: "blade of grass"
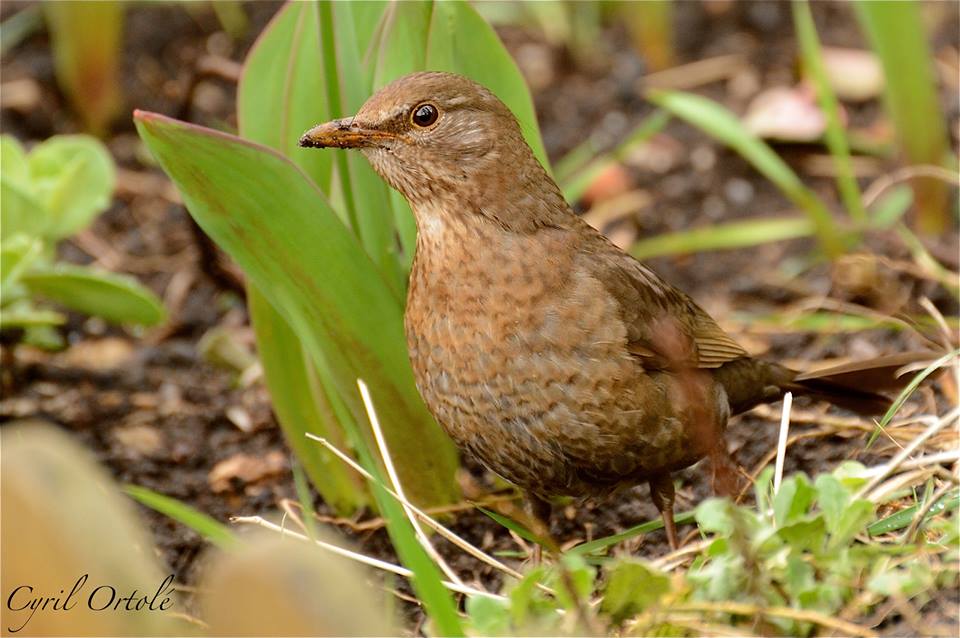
835 135
729 236
208 527
426 580
722 125
895 31
600 544
575 179
512 525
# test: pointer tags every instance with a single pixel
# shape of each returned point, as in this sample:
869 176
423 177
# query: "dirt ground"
157 413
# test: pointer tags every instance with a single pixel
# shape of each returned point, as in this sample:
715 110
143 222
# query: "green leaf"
836 136
301 407
281 90
716 515
271 219
833 498
726 236
73 177
208 527
87 40
16 255
526 600
632 587
20 211
488 616
891 206
722 125
114 297
905 517
576 171
794 498
29 317
806 534
512 525
895 31
853 521
579 577
599 544
13 160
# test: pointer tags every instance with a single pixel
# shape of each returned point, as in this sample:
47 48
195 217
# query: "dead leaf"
854 75
245 468
787 114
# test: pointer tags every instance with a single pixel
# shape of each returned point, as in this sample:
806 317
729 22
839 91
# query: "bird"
562 363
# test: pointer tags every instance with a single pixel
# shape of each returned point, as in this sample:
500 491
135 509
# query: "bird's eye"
425 115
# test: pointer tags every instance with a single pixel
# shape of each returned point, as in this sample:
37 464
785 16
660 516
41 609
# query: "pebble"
738 192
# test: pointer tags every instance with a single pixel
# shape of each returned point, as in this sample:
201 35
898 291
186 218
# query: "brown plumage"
563 364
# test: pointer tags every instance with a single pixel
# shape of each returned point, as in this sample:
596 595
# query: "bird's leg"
662 494
540 511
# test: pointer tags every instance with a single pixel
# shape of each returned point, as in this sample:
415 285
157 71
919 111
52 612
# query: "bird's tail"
857 386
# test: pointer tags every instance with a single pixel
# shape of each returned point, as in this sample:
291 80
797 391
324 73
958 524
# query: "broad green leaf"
853 520
73 176
573 581
274 222
114 297
281 91
722 125
13 160
716 515
365 193
833 498
632 587
488 616
20 211
301 407
16 255
794 498
462 42
728 236
208 527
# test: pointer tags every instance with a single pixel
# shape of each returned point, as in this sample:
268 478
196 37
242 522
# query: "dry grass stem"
782 440
427 519
398 487
358 557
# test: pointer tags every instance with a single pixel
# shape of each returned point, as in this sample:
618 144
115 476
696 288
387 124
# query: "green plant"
46 196
898 39
895 31
86 38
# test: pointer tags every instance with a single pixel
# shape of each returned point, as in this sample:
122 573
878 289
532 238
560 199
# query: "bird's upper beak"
343 133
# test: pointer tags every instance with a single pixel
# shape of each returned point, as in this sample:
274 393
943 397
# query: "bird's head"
437 137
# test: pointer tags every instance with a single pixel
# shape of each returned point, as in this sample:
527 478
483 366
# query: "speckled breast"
521 358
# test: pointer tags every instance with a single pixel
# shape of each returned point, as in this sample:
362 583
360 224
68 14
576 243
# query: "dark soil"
158 414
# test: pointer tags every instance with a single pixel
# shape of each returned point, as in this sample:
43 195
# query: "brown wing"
665 328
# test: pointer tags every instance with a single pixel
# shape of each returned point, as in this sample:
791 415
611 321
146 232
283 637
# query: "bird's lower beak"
342 134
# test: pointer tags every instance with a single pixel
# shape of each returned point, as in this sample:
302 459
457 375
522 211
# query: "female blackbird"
563 364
